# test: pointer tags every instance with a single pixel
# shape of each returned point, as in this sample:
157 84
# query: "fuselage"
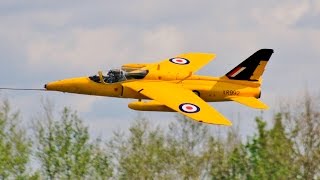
170 85
210 89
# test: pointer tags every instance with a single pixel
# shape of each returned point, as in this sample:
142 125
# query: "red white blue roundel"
189 108
180 61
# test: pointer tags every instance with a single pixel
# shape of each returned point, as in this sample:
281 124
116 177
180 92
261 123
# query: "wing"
249 101
179 99
183 63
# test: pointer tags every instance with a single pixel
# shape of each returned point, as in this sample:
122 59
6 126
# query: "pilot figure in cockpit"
115 75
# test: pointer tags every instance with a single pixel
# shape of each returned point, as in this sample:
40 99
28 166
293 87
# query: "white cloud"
282 14
315 6
77 49
163 40
73 39
80 49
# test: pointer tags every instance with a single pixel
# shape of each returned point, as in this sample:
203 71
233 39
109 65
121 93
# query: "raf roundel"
189 108
180 61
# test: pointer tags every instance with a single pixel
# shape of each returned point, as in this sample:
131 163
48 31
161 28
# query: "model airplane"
171 85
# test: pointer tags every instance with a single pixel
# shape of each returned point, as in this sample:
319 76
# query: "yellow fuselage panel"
210 90
83 85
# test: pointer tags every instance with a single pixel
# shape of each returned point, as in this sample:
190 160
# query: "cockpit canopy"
118 75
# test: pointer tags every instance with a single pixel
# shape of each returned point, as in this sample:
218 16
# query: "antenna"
22 89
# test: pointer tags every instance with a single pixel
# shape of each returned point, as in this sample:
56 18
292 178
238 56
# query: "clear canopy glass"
118 75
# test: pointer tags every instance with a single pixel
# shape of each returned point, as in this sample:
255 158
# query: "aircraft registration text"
231 92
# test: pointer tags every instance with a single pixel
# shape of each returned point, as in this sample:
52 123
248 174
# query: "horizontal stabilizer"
249 101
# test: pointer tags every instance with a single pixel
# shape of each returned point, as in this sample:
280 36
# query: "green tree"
281 152
64 150
217 156
271 153
226 156
151 153
15 147
100 162
141 155
238 163
302 121
187 141
257 152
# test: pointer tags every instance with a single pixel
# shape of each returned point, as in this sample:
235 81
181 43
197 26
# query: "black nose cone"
45 86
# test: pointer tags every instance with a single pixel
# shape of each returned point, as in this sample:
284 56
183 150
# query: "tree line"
61 148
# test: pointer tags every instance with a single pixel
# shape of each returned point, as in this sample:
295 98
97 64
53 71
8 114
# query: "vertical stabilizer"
252 68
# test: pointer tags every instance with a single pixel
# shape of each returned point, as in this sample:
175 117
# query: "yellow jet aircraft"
171 85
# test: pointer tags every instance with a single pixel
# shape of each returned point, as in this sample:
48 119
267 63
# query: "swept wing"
181 66
179 99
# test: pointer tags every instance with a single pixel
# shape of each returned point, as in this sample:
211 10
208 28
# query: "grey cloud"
44 41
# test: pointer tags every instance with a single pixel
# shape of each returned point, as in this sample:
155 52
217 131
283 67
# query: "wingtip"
226 123
265 107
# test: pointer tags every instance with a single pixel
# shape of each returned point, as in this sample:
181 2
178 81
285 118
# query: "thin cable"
22 89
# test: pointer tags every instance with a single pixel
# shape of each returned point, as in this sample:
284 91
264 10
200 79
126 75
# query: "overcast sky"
43 41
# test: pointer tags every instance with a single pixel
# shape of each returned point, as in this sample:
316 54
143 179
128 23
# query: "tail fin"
252 68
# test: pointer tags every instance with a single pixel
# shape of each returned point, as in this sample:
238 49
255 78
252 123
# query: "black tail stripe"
249 65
